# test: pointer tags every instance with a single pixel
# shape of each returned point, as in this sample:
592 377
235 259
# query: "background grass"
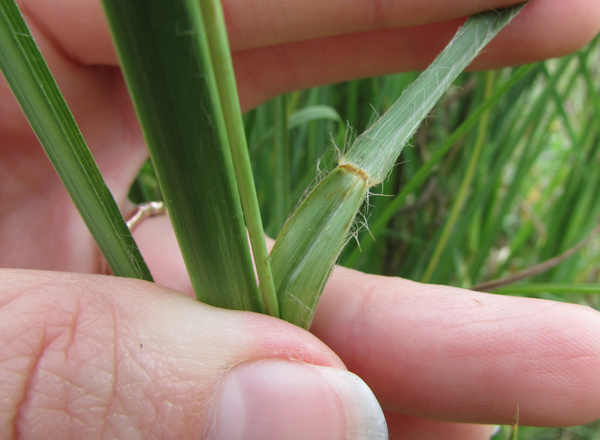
534 194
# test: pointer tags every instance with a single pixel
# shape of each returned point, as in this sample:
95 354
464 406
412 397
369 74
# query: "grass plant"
503 177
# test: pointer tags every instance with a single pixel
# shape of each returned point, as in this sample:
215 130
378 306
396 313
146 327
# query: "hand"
71 358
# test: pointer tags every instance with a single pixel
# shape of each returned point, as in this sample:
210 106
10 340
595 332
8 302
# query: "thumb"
84 356
275 399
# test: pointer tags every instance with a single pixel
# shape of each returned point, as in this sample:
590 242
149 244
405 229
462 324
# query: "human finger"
283 46
254 24
544 29
83 355
452 354
158 244
457 355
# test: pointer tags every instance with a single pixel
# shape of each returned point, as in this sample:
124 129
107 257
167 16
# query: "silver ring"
133 220
144 211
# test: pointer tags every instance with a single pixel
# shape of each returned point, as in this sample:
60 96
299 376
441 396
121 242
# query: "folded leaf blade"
165 57
309 244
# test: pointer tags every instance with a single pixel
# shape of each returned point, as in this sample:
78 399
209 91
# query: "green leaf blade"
226 84
376 150
36 91
165 56
378 227
304 255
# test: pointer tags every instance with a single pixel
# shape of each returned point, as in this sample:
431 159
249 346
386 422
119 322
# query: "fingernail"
495 430
277 399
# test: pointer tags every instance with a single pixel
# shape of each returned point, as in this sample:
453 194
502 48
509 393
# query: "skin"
428 352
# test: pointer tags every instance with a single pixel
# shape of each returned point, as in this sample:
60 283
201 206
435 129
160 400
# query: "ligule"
311 240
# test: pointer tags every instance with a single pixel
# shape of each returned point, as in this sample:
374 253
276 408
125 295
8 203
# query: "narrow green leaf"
281 179
165 57
313 113
377 228
313 237
46 110
225 77
376 150
528 123
299 118
465 185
